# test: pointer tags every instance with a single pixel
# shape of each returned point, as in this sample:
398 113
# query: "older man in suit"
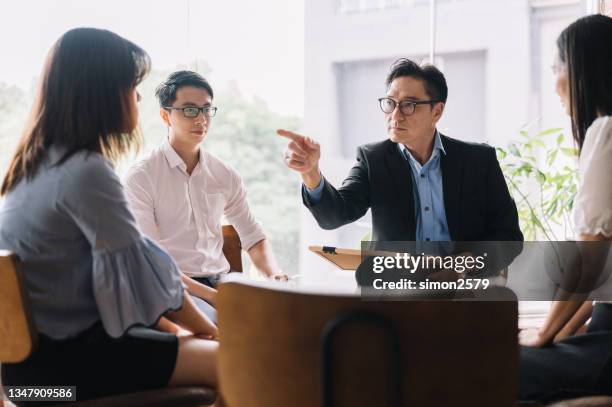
419 184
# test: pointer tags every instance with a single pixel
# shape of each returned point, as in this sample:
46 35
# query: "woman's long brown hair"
83 101
585 46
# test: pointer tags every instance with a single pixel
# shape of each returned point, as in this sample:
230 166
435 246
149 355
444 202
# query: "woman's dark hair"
435 83
585 48
166 91
83 101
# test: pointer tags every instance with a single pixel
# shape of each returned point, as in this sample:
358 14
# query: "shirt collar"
175 160
437 149
438 143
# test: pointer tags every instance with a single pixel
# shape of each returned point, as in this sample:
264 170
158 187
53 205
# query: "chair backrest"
232 248
17 332
280 348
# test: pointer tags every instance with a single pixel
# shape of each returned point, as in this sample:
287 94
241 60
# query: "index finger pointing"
289 134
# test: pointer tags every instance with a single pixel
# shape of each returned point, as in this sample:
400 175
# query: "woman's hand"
165 325
209 331
533 337
577 324
192 319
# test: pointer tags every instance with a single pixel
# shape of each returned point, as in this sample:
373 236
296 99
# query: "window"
257 78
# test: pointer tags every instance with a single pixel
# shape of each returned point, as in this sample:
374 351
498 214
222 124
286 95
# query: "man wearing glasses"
419 184
180 192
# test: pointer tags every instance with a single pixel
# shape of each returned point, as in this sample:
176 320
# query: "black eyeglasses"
194 111
407 107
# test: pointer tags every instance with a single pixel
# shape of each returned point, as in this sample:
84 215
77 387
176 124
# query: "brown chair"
17 333
280 348
232 248
18 340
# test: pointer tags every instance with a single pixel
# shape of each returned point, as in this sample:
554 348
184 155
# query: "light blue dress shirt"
428 194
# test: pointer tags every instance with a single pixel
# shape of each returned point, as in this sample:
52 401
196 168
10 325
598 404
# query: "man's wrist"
312 179
271 273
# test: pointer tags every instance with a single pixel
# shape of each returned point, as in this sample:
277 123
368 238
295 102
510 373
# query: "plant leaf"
547 132
560 139
514 150
570 152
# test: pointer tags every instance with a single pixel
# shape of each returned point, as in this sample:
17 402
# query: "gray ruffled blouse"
82 256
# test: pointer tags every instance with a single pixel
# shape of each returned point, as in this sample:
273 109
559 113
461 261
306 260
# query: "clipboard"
345 259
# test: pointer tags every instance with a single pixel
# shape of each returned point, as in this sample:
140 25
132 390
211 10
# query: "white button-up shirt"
183 213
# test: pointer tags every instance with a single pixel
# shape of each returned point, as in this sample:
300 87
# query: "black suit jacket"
476 199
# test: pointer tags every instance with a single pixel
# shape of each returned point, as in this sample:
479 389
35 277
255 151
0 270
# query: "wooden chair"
280 348
232 248
17 333
452 353
18 340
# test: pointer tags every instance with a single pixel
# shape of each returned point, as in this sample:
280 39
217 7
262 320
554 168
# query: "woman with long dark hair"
555 363
95 282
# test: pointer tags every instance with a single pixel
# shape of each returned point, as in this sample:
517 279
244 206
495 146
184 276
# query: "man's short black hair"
166 91
435 83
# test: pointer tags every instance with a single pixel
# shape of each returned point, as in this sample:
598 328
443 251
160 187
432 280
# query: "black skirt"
98 365
574 367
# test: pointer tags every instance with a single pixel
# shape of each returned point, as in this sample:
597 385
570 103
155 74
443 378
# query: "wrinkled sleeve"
134 280
139 193
239 214
135 285
338 207
593 203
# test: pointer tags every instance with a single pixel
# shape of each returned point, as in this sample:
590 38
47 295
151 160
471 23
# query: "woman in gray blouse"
95 282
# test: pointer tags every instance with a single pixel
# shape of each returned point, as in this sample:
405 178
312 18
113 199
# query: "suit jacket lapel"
452 176
400 172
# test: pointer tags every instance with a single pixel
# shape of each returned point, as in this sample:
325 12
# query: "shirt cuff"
251 237
315 194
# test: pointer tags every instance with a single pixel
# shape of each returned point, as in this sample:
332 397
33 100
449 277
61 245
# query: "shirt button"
427 209
422 175
428 239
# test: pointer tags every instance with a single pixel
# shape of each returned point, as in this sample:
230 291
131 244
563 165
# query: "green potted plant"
543 187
